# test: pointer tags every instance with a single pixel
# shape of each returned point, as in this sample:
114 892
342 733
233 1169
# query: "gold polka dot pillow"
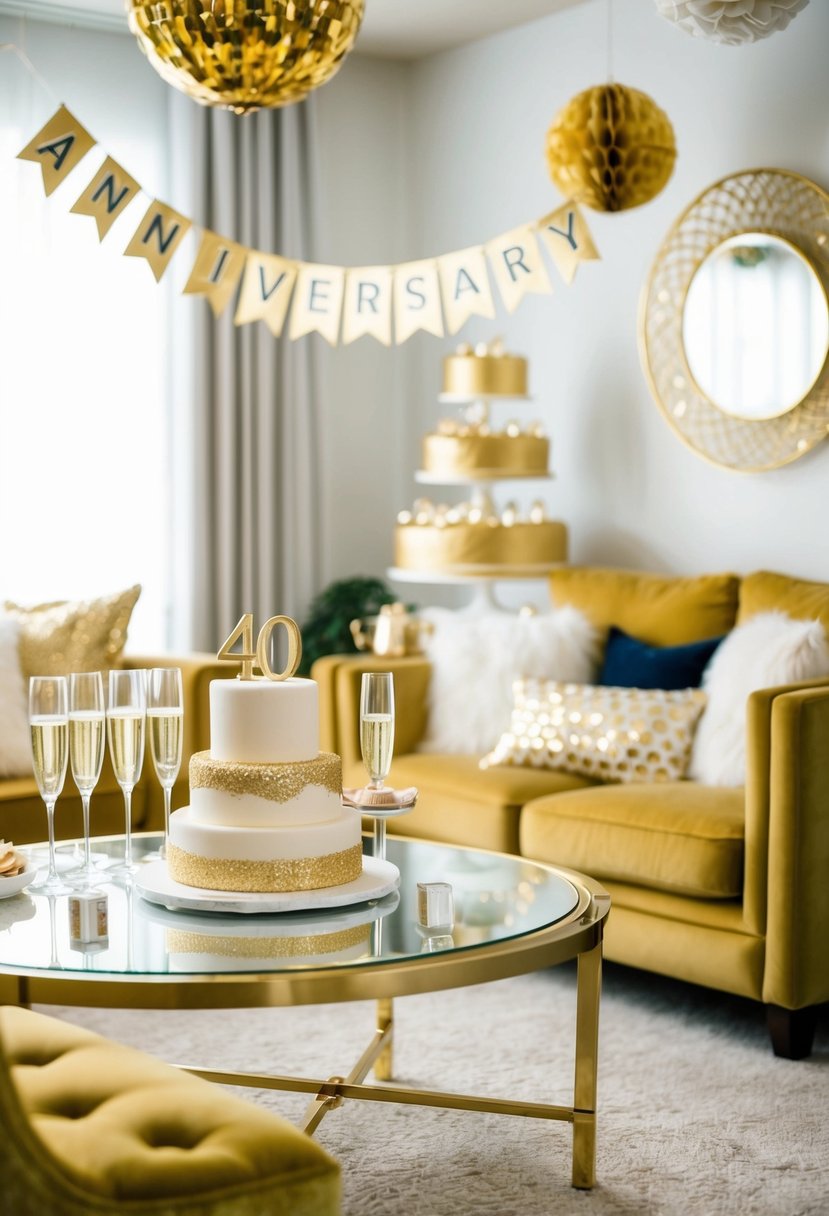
79 635
609 734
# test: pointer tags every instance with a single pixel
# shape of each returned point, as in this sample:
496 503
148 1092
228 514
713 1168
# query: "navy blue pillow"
629 663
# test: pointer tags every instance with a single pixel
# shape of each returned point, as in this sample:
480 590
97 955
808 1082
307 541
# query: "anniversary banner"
389 303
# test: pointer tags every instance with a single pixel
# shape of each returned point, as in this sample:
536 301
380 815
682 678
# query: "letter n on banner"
216 271
157 237
58 147
568 240
416 300
266 291
318 301
106 196
518 266
464 284
367 304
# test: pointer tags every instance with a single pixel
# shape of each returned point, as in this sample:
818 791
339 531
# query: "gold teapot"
394 631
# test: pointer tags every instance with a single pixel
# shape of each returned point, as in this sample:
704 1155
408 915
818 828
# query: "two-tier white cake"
265 811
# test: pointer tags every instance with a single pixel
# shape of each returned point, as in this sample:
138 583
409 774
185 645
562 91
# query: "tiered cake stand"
482 484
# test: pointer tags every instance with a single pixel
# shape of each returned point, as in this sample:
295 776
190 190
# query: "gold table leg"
588 992
385 1025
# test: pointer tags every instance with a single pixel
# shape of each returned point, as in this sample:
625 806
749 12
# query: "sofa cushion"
629 663
765 591
658 609
679 836
459 804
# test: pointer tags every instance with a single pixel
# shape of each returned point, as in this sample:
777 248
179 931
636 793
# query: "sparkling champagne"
165 742
376 744
126 744
86 748
50 752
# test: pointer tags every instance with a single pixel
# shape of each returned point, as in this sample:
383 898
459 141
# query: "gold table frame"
576 936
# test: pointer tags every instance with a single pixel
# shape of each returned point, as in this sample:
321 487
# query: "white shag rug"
696 1116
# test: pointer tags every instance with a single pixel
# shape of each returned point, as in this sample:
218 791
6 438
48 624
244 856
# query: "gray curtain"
256 459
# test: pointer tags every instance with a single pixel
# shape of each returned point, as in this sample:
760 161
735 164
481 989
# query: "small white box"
435 907
88 917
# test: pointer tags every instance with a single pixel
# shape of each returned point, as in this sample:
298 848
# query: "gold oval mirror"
755 326
734 324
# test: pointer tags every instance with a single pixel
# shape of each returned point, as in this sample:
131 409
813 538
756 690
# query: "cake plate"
154 884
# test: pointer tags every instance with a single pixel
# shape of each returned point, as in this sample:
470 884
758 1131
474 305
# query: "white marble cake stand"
154 884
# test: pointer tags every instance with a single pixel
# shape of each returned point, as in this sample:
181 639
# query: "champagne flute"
165 721
377 739
49 724
126 715
87 728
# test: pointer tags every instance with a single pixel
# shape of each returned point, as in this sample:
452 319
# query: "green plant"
326 631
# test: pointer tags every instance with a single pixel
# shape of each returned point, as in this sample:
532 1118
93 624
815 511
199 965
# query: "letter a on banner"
216 271
416 300
106 196
518 266
58 147
157 237
465 287
266 291
318 301
367 304
568 240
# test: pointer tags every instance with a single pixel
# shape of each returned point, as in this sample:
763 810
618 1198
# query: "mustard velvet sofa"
22 814
723 887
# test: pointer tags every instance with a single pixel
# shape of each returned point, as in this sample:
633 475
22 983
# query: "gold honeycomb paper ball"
611 148
245 55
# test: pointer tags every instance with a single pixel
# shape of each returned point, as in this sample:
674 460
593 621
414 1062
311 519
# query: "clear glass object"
49 725
377 739
165 724
126 718
87 731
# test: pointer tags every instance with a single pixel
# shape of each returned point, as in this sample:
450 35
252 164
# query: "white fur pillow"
15 748
475 659
769 649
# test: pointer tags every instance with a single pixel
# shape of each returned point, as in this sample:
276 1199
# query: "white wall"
631 492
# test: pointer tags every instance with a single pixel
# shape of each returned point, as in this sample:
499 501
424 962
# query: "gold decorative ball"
611 148
245 55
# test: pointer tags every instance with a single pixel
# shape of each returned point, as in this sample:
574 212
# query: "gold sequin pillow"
79 635
609 734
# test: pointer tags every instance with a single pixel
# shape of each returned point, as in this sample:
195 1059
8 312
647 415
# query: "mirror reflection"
755 326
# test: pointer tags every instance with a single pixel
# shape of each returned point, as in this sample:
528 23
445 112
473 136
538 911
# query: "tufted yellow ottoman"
88 1127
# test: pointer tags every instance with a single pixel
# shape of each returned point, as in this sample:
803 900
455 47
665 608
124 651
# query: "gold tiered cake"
475 538
265 811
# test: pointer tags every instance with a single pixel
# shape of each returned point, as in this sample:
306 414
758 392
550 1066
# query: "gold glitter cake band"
276 782
180 941
300 874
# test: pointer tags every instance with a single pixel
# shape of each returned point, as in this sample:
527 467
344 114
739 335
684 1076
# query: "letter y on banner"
58 147
568 240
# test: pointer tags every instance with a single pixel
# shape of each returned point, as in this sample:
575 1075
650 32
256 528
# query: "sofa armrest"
197 670
787 839
339 679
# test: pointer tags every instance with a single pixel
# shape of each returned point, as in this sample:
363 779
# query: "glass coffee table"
512 916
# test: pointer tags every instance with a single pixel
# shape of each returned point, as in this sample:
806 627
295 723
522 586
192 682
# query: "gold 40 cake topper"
261 656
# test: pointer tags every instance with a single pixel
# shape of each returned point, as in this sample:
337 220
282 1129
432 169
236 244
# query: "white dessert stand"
154 884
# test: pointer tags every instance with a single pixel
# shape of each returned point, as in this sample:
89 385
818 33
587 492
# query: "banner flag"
465 287
518 266
367 304
58 147
266 291
157 237
216 271
106 196
318 301
417 300
568 240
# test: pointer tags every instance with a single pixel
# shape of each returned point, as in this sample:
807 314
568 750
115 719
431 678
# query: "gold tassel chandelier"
246 55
